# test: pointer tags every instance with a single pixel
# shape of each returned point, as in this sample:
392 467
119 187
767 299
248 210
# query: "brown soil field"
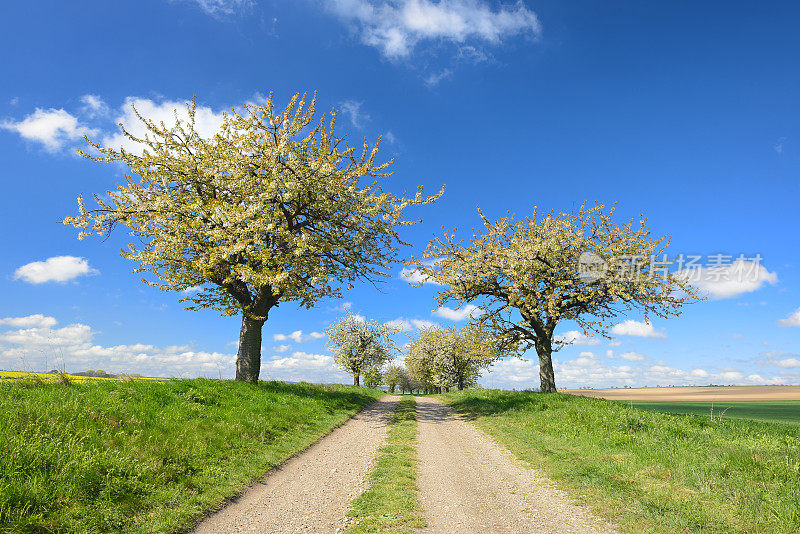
705 393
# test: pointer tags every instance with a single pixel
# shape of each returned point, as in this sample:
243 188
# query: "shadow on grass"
478 403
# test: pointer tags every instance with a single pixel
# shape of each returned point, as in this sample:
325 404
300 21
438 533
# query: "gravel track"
468 483
312 491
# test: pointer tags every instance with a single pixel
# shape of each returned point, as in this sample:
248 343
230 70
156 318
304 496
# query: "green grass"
146 456
651 471
390 504
787 412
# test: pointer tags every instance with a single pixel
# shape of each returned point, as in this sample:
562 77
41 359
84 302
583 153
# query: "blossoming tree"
534 273
359 345
442 358
272 208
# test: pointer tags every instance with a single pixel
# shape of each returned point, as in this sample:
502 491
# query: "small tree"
419 362
359 345
270 209
393 377
373 377
532 274
405 383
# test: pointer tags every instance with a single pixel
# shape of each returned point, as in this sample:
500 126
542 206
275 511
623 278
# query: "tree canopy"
443 358
274 207
531 274
359 345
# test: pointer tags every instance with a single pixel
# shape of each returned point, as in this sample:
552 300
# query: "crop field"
695 393
9 376
787 412
24 376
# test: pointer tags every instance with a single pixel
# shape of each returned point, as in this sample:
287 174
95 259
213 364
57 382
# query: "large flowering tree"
274 207
359 345
529 275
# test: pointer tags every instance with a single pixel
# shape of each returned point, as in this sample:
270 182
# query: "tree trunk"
547 377
357 380
460 383
248 360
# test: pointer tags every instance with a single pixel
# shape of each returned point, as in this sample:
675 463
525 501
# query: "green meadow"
149 456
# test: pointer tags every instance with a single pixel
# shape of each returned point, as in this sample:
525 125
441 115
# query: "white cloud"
37 346
589 370
94 106
788 362
207 121
352 110
192 289
636 328
400 324
729 280
793 319
222 7
414 276
55 269
282 348
433 79
298 337
31 321
780 359
422 323
632 356
52 127
513 372
464 312
302 359
304 366
575 337
397 27
407 325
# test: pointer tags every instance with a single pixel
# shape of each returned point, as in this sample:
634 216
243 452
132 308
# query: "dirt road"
470 484
311 492
467 483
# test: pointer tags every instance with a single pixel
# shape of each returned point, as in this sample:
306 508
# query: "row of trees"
276 207
437 359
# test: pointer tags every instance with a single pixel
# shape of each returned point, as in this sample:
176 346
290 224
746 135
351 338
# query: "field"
787 412
148 456
702 393
647 470
778 404
30 377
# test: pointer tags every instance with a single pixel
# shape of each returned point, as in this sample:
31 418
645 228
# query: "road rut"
468 483
312 491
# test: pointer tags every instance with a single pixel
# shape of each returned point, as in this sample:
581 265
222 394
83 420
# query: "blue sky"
685 111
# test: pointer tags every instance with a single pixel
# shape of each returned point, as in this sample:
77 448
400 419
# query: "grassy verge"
390 504
146 456
787 412
650 471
